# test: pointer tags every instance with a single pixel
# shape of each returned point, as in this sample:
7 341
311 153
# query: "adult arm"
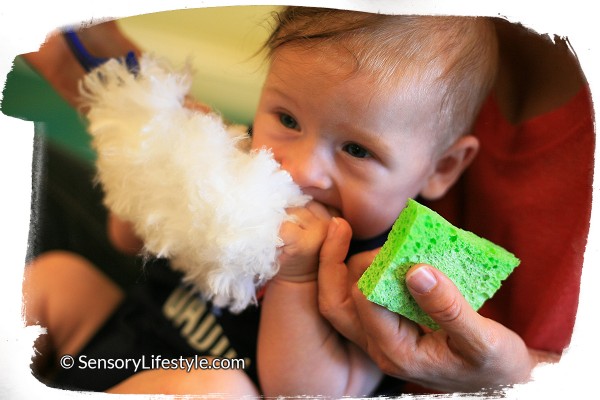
57 64
468 353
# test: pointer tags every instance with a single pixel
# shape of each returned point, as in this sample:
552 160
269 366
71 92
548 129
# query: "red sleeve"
530 191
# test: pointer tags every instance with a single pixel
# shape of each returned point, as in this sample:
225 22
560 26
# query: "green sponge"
419 235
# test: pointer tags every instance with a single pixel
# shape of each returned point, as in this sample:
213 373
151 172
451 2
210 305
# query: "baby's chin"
367 231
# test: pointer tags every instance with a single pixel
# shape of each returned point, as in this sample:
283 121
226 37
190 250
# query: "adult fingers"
439 297
390 339
335 303
333 273
333 252
358 263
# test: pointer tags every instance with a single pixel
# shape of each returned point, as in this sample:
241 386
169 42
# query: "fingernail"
421 280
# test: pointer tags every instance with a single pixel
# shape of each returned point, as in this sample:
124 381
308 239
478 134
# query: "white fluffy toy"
189 185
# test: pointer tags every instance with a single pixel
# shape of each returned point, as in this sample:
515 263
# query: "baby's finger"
321 211
302 216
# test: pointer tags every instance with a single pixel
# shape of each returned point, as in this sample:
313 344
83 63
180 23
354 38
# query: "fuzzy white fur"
184 180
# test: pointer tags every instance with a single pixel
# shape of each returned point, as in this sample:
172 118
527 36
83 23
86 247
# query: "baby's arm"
299 353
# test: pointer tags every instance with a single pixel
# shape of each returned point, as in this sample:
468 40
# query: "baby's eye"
356 150
288 121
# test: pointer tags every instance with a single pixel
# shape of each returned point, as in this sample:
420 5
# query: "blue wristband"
89 62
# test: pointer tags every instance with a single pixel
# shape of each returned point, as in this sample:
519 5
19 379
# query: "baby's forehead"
411 92
385 70
440 68
343 61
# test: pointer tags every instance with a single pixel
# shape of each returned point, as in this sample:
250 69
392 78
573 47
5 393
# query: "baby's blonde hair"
451 58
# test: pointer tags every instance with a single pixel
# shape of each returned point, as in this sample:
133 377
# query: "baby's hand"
302 238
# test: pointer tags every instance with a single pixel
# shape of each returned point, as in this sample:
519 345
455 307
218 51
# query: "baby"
364 111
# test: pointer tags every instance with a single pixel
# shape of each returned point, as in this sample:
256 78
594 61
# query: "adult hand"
57 64
468 353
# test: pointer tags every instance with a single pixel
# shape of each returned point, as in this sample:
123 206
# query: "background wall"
221 44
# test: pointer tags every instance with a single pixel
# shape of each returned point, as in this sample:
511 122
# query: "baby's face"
355 147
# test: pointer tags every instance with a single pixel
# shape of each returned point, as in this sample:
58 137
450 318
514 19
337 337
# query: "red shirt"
530 191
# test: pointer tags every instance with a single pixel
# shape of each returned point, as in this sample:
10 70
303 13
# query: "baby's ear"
449 166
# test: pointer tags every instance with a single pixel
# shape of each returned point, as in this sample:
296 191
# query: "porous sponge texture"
419 235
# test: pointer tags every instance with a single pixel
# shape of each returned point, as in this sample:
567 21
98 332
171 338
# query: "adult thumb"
439 297
333 290
336 244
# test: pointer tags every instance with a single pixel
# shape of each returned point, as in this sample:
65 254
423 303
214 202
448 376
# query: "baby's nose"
310 170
